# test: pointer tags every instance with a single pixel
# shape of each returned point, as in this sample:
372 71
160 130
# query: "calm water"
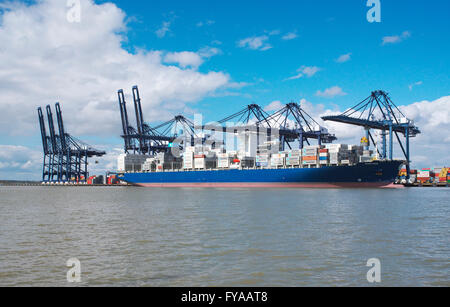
219 237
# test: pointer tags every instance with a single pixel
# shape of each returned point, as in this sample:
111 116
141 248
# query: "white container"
337 146
294 153
223 163
293 161
275 162
262 159
222 156
422 174
313 162
312 147
199 163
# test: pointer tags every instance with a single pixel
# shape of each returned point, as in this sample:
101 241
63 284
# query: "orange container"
310 158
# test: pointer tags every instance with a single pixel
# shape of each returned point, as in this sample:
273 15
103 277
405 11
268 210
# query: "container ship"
180 153
329 166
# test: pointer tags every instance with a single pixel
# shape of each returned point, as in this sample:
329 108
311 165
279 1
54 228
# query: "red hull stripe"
270 185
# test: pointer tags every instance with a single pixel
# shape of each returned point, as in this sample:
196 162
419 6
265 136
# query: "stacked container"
247 162
424 175
223 161
310 155
112 180
436 173
337 153
200 161
130 162
324 157
90 180
262 160
443 175
294 158
278 160
188 160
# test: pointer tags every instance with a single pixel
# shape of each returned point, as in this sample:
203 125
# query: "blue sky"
325 29
215 57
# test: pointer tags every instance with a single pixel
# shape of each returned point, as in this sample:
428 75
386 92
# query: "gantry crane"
144 139
65 157
304 127
378 112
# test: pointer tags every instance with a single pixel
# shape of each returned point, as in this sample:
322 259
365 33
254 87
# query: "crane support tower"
378 112
65 158
143 139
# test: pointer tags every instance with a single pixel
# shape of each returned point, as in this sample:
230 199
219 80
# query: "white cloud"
411 86
184 59
255 43
19 162
191 59
290 36
208 52
344 58
274 32
396 38
431 147
331 92
163 30
205 23
44 59
308 71
274 106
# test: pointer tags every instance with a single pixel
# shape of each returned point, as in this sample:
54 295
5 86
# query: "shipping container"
309 158
312 162
293 161
276 162
223 162
262 164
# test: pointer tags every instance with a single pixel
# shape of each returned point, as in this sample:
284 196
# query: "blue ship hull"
373 174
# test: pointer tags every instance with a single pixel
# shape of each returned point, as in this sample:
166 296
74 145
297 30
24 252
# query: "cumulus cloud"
344 58
44 59
396 38
255 43
274 106
307 71
19 162
433 119
184 59
331 92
